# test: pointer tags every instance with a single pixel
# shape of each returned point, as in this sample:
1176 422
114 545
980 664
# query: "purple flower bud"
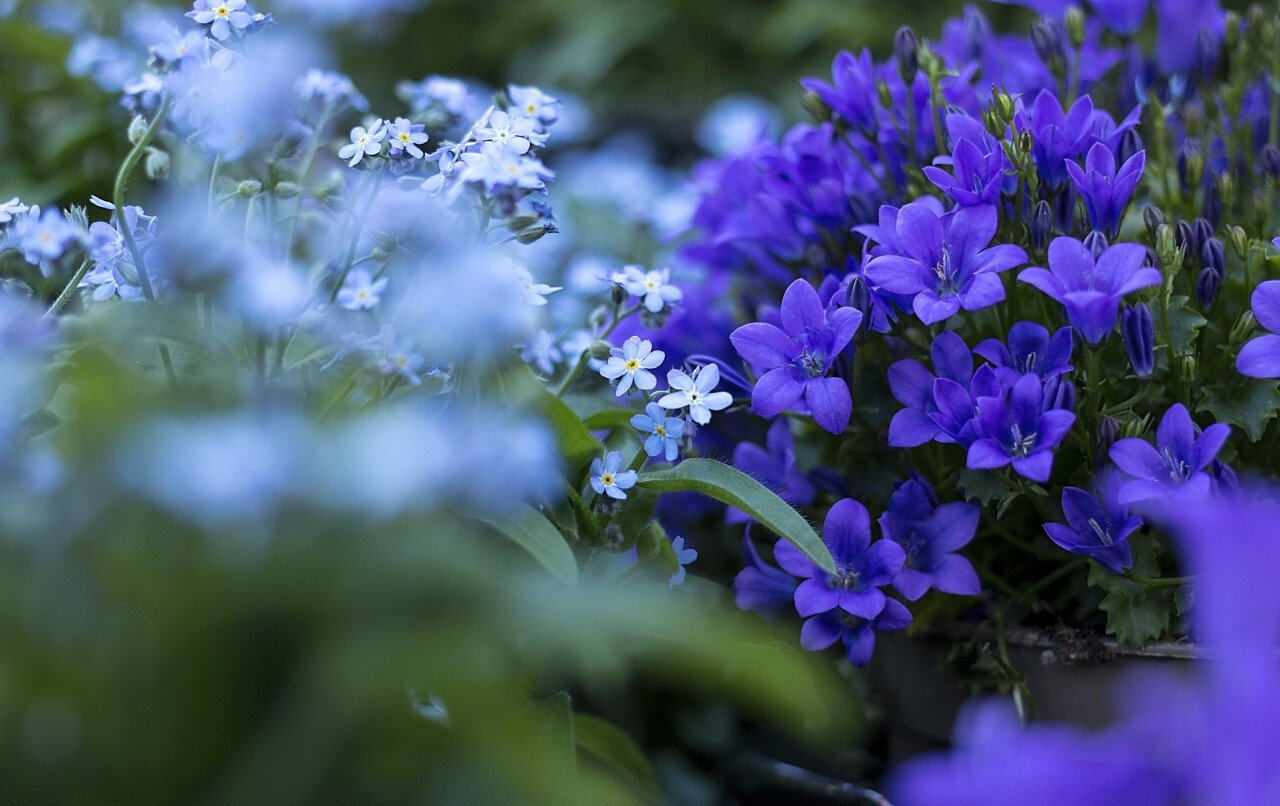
1130 144
1213 204
1153 218
1096 243
1108 433
1046 35
1271 161
1138 332
1184 237
1212 257
1059 393
905 51
1041 225
858 297
1208 53
1207 288
1203 231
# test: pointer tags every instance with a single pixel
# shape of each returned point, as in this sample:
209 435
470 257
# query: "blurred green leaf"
735 488
530 530
613 748
1249 404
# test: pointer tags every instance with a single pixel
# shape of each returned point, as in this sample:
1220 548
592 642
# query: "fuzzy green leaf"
607 744
1250 407
737 489
530 530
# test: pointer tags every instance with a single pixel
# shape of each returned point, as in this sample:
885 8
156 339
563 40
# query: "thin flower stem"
303 168
122 182
1164 582
65 296
355 236
586 354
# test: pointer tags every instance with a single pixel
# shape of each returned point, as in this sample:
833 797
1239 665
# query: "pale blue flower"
222 16
696 392
653 288
608 478
542 352
684 556
664 431
631 364
361 292
404 137
364 142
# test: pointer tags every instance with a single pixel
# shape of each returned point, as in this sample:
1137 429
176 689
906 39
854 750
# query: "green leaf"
654 552
530 529
609 419
1250 407
1184 322
607 744
302 349
737 489
1136 613
982 486
577 444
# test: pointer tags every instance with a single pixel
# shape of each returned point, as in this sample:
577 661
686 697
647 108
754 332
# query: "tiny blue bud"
1041 225
905 53
1138 332
1212 257
1096 243
1207 288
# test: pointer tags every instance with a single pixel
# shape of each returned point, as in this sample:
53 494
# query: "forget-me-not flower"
664 431
608 477
404 136
631 364
360 291
363 142
695 393
652 287
684 556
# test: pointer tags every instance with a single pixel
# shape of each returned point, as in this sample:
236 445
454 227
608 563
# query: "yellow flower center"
632 364
607 479
404 138
222 11
660 431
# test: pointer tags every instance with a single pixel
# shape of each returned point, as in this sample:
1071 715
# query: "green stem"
312 147
117 196
65 296
582 359
355 236
1164 582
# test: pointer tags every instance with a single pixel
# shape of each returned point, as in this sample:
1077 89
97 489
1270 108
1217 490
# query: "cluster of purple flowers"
915 553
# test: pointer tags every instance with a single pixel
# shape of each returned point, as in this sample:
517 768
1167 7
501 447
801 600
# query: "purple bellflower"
930 533
1260 357
1123 17
1059 135
775 465
852 94
1181 27
913 386
1030 349
861 566
1104 188
796 358
1098 526
1089 289
760 586
1016 429
957 414
978 165
1176 465
857 633
946 264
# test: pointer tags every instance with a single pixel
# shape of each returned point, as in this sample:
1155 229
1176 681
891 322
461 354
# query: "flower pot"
1070 676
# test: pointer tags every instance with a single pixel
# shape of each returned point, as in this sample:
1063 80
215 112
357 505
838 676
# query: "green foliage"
737 489
1247 403
1136 613
530 530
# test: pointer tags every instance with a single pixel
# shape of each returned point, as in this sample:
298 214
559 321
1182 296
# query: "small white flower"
363 141
10 209
696 393
406 136
534 293
652 287
542 352
361 292
631 364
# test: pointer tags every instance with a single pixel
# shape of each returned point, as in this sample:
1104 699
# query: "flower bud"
1138 332
1186 239
1167 245
535 232
1073 21
287 190
882 91
816 107
1190 368
1231 30
1213 257
1213 204
156 164
930 64
1239 242
1041 225
1243 328
1153 219
1025 142
137 129
618 294
599 350
1190 166
905 52
1047 38
1207 284
858 296
248 188
1203 231
1059 393
1108 433
1002 103
1225 184
384 244
1270 158
598 316
1096 243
